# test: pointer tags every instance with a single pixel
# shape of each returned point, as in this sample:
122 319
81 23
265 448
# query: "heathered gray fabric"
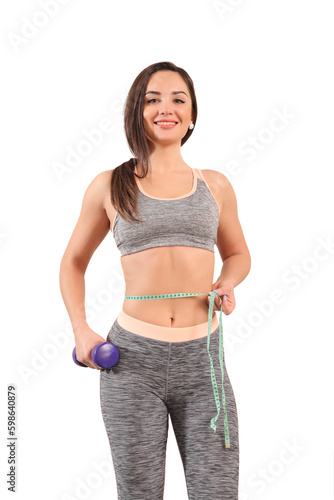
190 221
152 380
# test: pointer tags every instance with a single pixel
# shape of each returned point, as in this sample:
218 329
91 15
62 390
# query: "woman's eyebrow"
159 93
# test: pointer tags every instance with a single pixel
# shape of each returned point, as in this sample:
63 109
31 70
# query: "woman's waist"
174 312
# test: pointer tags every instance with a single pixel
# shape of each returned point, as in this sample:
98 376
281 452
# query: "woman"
166 218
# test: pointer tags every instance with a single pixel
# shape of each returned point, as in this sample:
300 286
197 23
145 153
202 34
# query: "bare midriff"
165 270
171 269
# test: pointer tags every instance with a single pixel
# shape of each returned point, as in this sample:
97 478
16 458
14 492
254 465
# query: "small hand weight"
105 355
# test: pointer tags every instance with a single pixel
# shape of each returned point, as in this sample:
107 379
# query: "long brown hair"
123 184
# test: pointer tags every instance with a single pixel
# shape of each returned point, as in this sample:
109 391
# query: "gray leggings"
154 379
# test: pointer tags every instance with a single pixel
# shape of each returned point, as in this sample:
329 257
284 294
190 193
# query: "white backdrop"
263 74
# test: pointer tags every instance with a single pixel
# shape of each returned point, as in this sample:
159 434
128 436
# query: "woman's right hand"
85 340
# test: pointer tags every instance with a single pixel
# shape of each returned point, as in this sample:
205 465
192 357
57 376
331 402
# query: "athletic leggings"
152 380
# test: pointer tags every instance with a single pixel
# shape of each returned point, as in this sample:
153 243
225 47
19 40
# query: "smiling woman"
166 218
167 123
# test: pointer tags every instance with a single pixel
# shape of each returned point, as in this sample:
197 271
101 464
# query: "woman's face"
160 104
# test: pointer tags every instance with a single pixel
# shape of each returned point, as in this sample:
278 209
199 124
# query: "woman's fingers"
224 298
216 303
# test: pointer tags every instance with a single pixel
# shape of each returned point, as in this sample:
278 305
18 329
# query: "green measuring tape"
213 377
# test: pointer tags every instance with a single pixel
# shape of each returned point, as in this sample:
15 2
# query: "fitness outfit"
155 378
191 220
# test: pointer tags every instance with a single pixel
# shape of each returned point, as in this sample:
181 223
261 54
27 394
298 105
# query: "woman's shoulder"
101 182
215 177
99 188
103 177
219 185
217 181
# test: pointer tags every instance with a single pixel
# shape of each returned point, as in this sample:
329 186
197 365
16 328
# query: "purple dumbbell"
105 355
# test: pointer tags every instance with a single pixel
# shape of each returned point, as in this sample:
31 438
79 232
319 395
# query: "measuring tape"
213 377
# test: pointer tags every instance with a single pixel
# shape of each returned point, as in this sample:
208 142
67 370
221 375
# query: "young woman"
166 218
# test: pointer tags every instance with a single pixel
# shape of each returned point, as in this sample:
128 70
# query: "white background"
250 61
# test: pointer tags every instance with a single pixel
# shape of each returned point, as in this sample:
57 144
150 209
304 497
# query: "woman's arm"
91 228
232 246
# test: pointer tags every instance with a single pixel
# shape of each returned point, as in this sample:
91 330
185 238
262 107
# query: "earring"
191 126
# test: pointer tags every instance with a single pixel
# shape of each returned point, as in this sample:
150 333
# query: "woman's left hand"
228 303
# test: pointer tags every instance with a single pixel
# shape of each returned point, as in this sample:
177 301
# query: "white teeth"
166 123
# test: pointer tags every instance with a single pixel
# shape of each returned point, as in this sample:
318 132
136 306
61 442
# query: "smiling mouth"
166 124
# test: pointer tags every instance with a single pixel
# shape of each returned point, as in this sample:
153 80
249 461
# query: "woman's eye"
150 100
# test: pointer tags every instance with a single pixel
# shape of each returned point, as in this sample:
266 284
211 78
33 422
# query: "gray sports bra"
191 220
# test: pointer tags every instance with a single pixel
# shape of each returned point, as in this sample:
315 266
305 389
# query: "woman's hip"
165 333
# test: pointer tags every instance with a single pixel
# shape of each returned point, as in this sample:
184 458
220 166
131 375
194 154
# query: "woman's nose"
166 108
